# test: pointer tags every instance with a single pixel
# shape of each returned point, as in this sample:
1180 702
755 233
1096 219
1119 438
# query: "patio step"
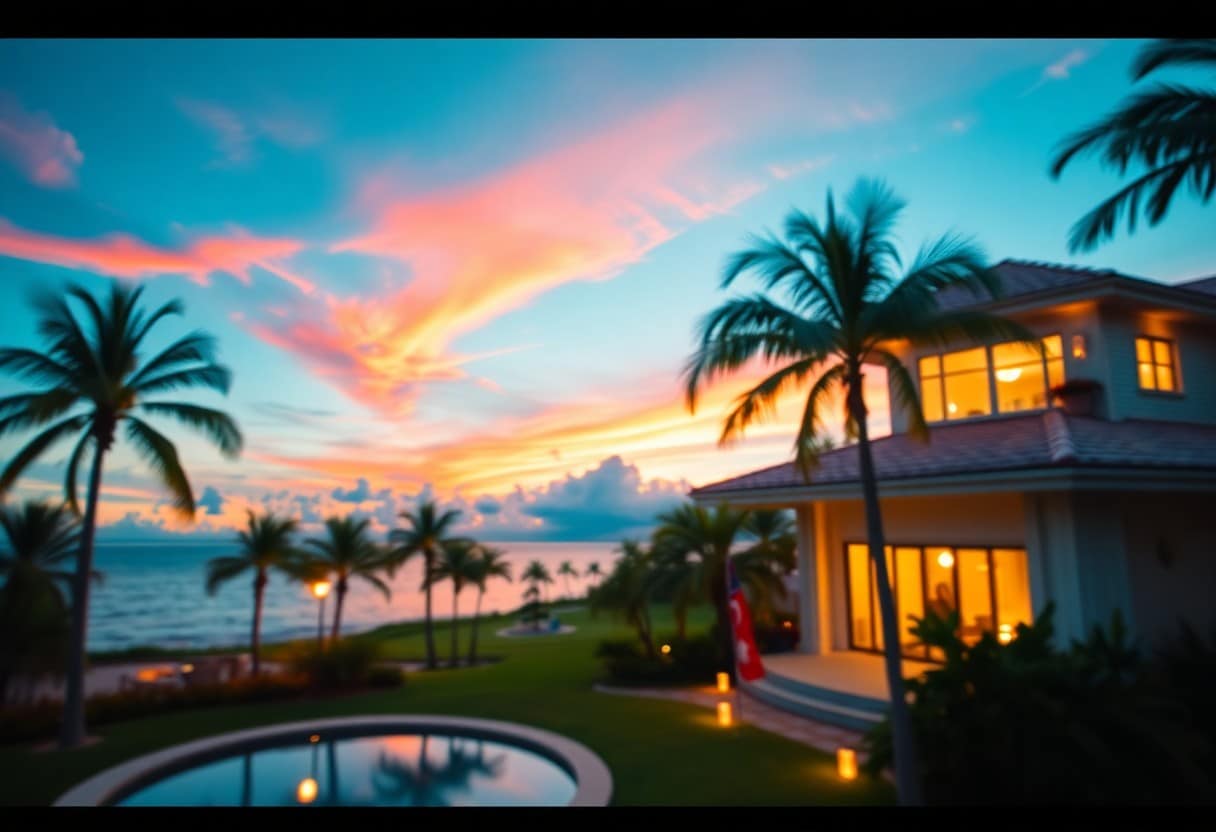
830 711
797 687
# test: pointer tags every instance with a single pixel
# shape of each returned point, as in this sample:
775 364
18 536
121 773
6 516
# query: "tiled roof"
1027 278
1038 440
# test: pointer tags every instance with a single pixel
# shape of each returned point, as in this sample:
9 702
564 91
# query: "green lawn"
659 752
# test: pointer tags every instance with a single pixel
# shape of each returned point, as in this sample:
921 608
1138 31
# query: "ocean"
154 594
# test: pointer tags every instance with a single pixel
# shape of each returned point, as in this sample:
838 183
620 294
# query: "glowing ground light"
724 714
723 683
306 792
665 649
846 763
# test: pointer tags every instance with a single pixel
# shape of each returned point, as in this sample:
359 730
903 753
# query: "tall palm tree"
844 300
775 550
347 551
1168 129
628 589
427 530
266 544
96 379
594 572
538 575
40 542
567 571
457 563
493 563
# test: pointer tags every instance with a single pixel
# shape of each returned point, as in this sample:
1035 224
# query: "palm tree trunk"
455 596
259 590
476 617
907 765
72 732
340 592
430 635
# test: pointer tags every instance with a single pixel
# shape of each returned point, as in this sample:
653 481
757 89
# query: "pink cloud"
236 133
123 255
798 168
45 154
480 248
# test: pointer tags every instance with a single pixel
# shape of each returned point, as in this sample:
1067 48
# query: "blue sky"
473 267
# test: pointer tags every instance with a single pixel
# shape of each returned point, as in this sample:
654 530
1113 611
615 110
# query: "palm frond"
26 410
904 392
223 569
195 348
1173 52
161 456
215 424
806 449
34 366
761 400
212 376
36 446
69 482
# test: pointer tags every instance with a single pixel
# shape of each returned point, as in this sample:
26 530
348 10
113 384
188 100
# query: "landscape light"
846 763
723 683
665 649
306 792
724 715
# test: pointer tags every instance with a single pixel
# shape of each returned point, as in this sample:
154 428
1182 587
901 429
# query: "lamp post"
320 590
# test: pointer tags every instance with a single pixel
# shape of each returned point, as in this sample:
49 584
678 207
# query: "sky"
471 270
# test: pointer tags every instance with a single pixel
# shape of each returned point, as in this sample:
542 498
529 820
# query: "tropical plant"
347 552
594 572
775 552
1169 129
94 381
457 563
844 302
628 589
567 571
41 540
342 665
265 544
427 530
492 564
538 575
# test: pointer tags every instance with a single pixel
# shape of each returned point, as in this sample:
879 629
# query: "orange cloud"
123 255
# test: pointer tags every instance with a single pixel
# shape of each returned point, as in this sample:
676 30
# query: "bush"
1029 723
691 661
775 636
346 663
385 676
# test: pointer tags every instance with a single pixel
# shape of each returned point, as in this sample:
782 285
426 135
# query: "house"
1097 500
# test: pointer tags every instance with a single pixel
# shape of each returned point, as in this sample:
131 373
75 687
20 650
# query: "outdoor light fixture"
724 715
1005 633
306 792
665 649
846 763
1078 345
320 589
315 738
945 560
723 683
787 624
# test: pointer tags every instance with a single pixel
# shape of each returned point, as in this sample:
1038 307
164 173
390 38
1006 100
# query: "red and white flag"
747 657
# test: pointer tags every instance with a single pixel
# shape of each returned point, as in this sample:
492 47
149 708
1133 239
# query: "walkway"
754 712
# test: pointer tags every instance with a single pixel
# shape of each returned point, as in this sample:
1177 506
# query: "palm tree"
265 544
628 589
457 563
538 575
41 539
691 546
775 550
348 552
1169 129
491 564
844 300
425 535
95 380
567 571
594 572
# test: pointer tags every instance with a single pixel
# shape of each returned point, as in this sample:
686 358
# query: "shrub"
1029 723
691 661
344 664
775 636
385 676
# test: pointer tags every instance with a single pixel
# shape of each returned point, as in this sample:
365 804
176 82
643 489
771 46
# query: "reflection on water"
401 770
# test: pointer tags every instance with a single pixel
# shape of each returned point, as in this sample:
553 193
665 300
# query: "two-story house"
1098 500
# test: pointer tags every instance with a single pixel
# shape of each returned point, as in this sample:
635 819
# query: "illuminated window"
956 385
988 588
1155 364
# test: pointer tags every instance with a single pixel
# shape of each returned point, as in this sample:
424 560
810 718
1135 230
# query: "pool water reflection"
388 770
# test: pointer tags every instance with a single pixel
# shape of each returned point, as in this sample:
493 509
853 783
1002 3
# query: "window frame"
1171 345
994 404
923 653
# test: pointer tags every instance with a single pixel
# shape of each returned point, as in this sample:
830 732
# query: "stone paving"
754 712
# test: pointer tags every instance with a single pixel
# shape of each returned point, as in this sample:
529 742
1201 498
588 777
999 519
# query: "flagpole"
734 653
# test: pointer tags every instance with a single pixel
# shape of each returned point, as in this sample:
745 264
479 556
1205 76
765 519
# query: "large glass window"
989 588
1155 366
956 385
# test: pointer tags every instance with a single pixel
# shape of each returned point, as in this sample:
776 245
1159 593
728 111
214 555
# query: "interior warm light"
952 407
1009 374
787 624
724 715
306 792
723 683
320 589
665 649
187 668
945 560
315 738
1078 345
1005 633
846 763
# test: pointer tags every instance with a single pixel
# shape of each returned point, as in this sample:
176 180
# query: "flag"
747 657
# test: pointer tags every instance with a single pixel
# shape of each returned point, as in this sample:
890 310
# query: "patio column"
810 632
